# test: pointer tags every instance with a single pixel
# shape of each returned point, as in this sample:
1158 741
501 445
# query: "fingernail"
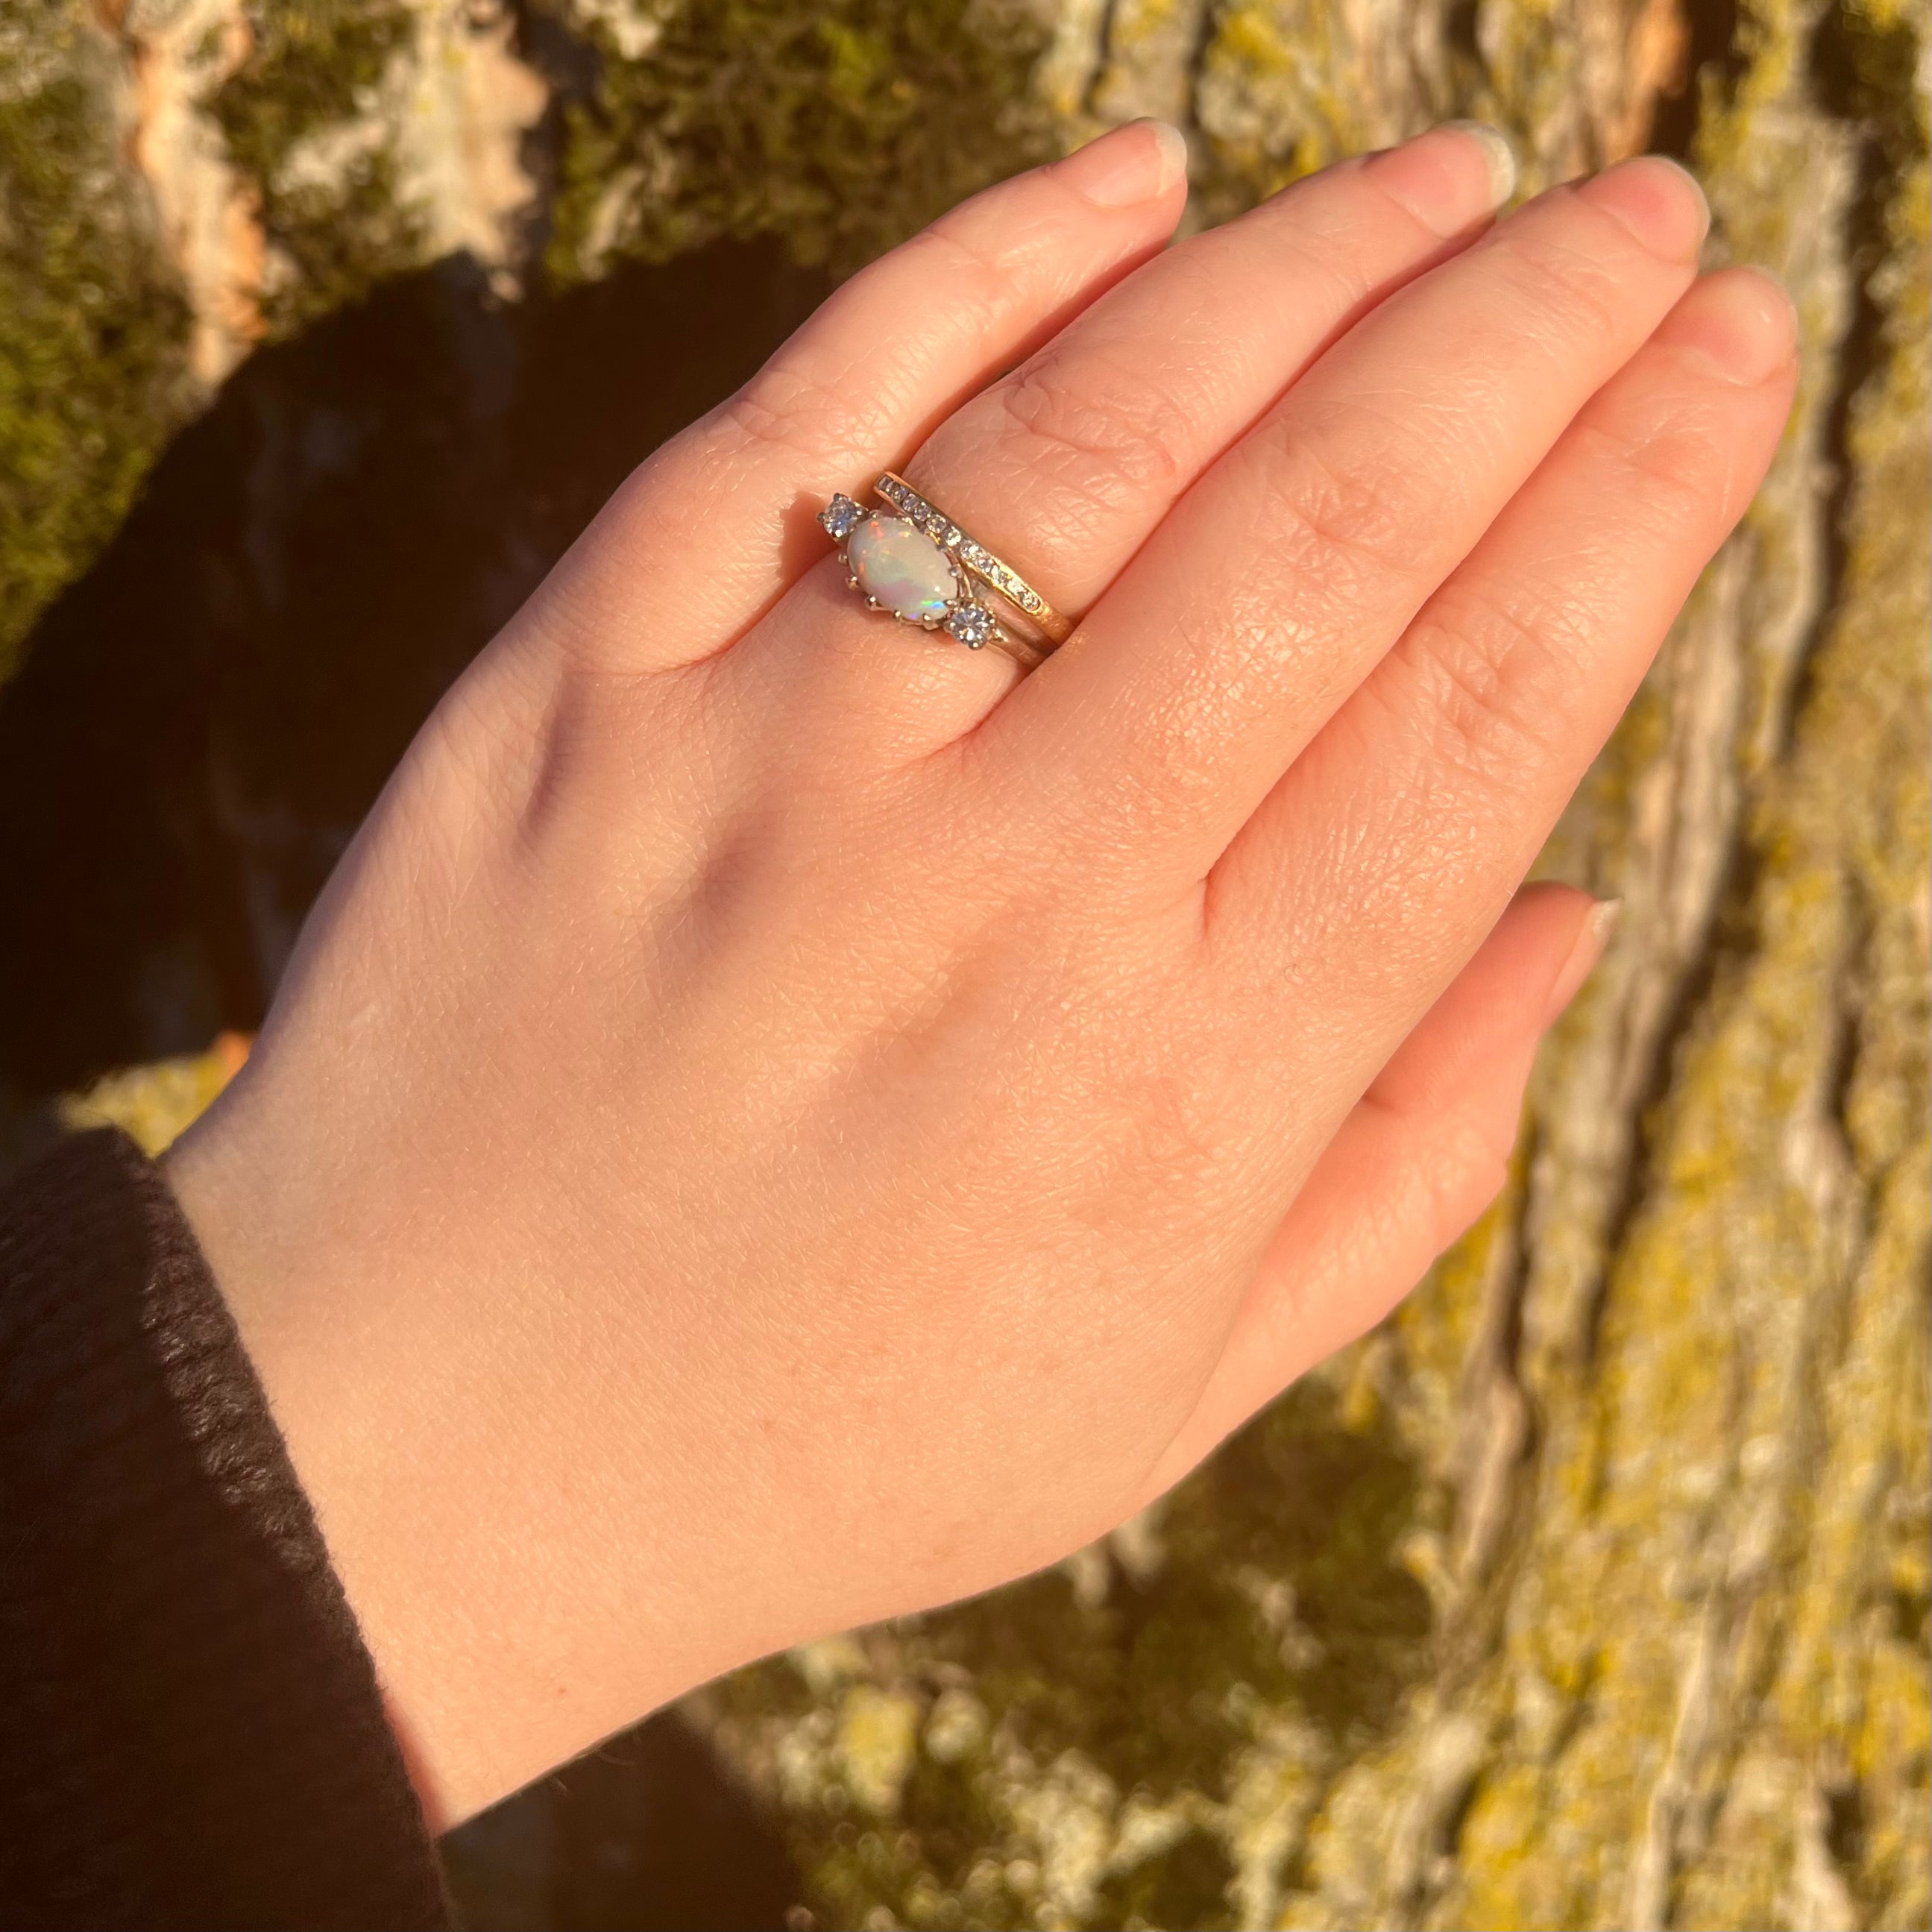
1128 165
1598 925
1432 178
1740 323
1658 201
1498 156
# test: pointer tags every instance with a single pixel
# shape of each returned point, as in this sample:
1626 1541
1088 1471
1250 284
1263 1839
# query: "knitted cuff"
194 1735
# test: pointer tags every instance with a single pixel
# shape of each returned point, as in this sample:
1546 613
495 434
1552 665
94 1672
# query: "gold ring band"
910 561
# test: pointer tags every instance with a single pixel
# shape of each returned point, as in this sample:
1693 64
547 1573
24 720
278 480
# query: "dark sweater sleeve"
192 1734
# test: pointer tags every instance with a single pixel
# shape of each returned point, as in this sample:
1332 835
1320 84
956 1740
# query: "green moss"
839 127
339 229
1090 1779
93 332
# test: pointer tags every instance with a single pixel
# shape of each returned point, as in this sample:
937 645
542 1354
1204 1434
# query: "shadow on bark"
647 1834
203 720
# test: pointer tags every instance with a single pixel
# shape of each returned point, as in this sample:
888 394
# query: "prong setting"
912 563
839 518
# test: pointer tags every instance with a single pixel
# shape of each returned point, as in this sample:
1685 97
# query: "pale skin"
779 1121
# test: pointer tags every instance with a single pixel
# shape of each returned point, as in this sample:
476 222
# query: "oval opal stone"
899 566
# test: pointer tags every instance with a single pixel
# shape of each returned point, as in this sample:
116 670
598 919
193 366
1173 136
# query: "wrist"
328 1377
524 1586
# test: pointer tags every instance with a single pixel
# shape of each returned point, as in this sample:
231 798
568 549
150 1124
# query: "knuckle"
1097 430
968 271
1489 677
985 286
785 407
1553 282
1175 769
781 408
1462 1167
1678 458
1332 524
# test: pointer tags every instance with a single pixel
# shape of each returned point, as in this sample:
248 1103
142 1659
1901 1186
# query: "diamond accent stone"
924 516
973 625
839 517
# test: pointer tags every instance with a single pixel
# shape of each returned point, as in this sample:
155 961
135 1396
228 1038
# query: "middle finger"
1284 576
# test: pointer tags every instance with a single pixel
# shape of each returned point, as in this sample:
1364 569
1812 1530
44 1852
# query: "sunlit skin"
779 1120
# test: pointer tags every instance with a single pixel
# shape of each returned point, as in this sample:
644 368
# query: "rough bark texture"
1592 1590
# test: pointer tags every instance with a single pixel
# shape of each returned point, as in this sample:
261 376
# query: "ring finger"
1066 465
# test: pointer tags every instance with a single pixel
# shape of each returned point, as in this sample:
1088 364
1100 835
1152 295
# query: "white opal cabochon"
899 566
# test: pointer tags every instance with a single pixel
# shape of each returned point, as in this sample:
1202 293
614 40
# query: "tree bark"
1592 1590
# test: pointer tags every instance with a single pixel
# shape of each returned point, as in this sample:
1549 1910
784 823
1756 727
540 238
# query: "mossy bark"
1592 1590
93 327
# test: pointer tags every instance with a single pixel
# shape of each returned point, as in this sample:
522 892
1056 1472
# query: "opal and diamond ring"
913 561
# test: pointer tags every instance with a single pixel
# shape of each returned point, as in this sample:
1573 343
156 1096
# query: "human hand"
777 1121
